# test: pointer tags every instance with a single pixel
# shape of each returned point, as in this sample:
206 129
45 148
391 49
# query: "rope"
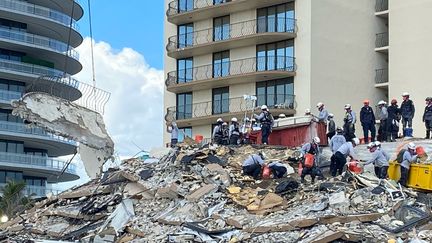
92 52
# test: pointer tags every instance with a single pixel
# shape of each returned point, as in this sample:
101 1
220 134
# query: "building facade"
290 55
37 39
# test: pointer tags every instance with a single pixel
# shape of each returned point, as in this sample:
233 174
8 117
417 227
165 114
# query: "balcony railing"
382 40
32 161
381 76
241 29
39 41
37 70
29 8
36 191
6 96
227 106
22 128
381 5
182 6
231 68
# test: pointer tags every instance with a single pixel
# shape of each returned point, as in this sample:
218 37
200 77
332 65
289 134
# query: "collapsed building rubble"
198 194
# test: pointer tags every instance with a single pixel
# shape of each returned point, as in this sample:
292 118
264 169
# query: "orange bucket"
354 168
420 151
266 172
199 138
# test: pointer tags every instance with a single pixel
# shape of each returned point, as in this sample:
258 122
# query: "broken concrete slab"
202 191
170 191
87 191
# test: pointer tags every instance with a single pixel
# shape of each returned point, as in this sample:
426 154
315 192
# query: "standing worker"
234 132
407 110
331 126
409 156
427 117
349 123
382 116
173 129
266 120
339 159
218 132
367 119
253 164
225 134
380 159
323 113
337 140
311 148
393 120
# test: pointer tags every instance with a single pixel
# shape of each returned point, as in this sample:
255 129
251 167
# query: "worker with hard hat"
337 140
382 115
225 134
427 117
409 156
394 117
380 160
349 123
331 126
323 113
311 148
339 159
367 119
234 132
218 132
173 129
266 119
253 164
407 111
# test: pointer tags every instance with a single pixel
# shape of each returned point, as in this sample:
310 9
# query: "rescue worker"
367 119
393 120
427 117
225 134
218 132
349 123
245 130
331 128
408 157
234 132
173 129
382 116
266 120
337 140
407 111
278 169
380 159
307 112
310 148
339 159
323 113
253 164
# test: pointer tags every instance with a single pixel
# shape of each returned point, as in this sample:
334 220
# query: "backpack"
399 157
309 160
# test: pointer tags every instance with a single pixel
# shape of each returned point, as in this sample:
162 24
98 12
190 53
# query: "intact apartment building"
292 55
34 37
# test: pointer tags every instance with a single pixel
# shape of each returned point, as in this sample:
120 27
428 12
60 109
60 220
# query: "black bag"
399 157
287 185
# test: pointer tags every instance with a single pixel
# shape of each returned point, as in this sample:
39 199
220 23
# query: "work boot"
427 134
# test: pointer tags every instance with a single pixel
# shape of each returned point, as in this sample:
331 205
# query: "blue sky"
137 24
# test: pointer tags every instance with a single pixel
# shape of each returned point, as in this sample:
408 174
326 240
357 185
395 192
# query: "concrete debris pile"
198 194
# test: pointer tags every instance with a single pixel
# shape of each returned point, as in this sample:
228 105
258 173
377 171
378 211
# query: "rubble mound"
199 194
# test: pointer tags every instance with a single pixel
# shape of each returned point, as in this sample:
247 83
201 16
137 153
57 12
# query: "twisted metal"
382 40
226 106
381 5
236 30
231 68
173 7
381 76
70 89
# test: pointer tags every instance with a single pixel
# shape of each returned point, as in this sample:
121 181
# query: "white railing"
36 161
35 191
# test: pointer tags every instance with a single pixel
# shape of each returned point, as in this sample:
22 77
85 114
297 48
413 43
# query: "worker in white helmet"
313 149
407 110
266 119
323 113
218 132
380 159
409 156
349 123
331 128
234 132
382 115
339 159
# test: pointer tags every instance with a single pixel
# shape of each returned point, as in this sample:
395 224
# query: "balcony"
180 12
382 42
36 191
206 113
6 96
31 13
247 33
382 8
229 73
38 166
381 78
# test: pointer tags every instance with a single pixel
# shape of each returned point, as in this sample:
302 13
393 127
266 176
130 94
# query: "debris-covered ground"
198 194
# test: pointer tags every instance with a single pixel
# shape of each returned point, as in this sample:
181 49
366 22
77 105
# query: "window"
185 35
221 28
279 18
35 152
221 64
35 181
220 100
276 93
184 106
6 115
276 56
11 55
11 146
184 131
185 5
6 176
184 70
216 2
12 25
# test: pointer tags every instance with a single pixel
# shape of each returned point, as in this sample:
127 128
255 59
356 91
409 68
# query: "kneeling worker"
310 167
278 169
253 164
380 159
339 159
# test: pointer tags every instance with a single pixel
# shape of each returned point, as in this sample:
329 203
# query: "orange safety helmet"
366 102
